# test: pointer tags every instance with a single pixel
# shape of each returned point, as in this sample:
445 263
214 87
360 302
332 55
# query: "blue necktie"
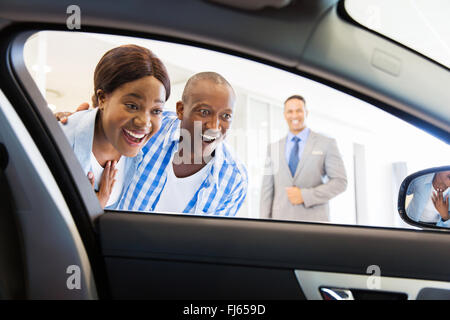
293 157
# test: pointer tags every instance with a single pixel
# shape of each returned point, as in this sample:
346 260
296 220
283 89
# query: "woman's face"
443 178
132 114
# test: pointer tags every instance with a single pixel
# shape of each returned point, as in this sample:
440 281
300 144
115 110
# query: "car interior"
50 219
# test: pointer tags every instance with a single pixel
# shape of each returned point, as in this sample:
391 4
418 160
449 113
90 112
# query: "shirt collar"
174 134
216 164
302 135
84 137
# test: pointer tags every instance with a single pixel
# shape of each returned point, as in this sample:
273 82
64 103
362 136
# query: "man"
186 165
293 186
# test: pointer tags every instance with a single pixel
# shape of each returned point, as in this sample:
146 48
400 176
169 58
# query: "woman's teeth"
133 136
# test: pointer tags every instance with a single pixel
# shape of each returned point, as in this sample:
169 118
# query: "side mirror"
423 198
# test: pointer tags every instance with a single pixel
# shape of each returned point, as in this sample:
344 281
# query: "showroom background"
378 149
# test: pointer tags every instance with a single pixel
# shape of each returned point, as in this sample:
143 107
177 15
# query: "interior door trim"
46 223
311 281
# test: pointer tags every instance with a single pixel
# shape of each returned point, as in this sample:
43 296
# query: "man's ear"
180 110
101 97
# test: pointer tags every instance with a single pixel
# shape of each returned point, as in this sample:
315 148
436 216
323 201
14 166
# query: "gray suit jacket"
320 161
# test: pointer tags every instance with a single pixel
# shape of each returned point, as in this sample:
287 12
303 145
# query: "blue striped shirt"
221 193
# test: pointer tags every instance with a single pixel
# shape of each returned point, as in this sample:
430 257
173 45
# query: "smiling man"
187 167
297 167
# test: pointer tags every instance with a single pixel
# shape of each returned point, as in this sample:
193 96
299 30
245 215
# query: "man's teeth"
208 138
295 121
135 135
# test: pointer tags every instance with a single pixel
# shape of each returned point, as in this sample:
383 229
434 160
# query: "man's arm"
335 170
267 189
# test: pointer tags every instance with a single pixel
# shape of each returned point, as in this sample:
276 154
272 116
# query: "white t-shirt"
120 177
430 214
178 192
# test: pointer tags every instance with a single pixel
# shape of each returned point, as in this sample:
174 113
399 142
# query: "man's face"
209 106
295 114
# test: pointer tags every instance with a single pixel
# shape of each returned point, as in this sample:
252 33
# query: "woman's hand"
106 182
441 204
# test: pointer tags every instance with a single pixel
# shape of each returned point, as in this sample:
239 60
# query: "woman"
430 202
131 86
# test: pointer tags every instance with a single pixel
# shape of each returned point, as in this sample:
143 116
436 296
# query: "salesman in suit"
303 171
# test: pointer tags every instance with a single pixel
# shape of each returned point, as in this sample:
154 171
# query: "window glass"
418 24
378 150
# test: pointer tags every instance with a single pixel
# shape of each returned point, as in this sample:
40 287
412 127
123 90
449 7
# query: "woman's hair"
125 64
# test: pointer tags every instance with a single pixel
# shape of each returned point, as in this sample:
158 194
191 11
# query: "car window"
420 25
376 149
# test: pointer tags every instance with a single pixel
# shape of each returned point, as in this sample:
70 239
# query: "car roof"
316 39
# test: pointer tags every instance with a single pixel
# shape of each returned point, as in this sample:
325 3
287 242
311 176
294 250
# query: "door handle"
336 294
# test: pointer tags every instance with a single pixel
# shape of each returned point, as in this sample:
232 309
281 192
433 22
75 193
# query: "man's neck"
296 132
183 170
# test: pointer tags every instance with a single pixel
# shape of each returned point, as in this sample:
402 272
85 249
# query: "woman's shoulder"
82 116
79 123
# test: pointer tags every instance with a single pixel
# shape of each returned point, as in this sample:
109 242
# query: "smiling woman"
131 85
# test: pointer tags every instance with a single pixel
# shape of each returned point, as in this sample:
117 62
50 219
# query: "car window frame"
90 206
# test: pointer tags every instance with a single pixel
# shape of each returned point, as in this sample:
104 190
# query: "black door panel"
172 279
169 256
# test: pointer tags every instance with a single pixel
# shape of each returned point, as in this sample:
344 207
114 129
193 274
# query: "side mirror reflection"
424 198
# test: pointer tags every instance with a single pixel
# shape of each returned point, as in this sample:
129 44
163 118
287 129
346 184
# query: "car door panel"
146 254
175 279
